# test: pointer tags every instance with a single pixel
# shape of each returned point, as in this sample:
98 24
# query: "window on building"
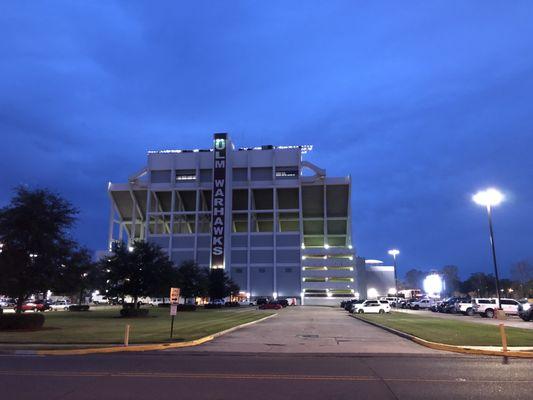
185 175
185 200
261 222
262 199
204 223
159 224
184 224
205 200
239 222
240 199
288 222
288 199
161 201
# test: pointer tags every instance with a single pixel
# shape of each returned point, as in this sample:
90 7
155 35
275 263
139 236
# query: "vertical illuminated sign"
219 201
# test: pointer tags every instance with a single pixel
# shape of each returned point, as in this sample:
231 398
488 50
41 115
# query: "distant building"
278 232
374 279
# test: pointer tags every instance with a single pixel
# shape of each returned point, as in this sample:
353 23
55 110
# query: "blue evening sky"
422 102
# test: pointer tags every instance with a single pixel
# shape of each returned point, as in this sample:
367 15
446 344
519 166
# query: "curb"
449 347
141 347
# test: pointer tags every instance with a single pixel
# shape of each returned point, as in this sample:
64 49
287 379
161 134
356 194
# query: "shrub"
232 304
130 312
21 321
78 307
211 305
186 307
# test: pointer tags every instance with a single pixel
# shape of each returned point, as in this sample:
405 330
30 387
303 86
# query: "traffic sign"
174 295
173 309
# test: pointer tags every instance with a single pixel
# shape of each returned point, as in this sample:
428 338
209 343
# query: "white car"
466 308
422 304
59 305
372 307
487 307
155 302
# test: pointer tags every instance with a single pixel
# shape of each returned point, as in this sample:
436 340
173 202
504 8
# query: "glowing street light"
490 198
433 284
394 253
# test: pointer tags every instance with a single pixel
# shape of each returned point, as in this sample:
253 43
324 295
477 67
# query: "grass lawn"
451 331
106 327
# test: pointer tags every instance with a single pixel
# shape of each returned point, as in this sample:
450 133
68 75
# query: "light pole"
394 253
490 198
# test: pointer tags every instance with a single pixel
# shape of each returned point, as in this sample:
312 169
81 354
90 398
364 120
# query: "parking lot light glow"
433 284
372 293
275 295
488 198
392 290
326 246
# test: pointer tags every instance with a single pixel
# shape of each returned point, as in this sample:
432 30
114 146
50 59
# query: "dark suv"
526 315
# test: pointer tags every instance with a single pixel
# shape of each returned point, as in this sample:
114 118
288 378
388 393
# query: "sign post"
174 301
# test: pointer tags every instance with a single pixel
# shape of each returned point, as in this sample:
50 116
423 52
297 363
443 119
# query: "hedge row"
21 321
130 312
76 307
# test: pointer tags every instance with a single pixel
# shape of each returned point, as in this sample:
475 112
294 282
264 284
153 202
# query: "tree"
35 242
192 280
414 278
479 284
143 271
522 272
220 285
77 275
451 279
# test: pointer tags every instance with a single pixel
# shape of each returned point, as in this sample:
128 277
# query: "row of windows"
244 222
260 199
260 270
238 174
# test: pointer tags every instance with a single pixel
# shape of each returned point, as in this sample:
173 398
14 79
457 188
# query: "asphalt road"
171 375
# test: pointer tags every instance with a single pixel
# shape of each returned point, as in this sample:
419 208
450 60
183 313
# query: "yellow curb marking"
453 348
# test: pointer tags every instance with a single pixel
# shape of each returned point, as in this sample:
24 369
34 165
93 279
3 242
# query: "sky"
422 102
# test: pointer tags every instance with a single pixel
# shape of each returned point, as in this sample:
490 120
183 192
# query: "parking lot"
512 321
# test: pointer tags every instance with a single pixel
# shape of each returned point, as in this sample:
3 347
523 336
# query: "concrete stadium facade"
276 223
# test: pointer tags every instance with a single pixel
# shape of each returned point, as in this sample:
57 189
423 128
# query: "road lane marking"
356 378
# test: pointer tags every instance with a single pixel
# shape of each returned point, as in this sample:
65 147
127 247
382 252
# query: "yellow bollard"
127 336
504 337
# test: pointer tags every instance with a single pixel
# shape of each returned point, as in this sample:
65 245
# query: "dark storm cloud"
422 103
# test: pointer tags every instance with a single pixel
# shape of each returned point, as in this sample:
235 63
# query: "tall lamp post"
394 253
490 198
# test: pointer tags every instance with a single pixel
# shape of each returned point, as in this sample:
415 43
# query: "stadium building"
277 224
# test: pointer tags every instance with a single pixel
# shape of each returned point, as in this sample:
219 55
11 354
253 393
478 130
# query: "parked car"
260 301
448 305
452 306
349 304
155 302
372 307
59 305
406 303
35 306
465 307
392 300
284 303
487 307
270 306
352 305
525 313
422 304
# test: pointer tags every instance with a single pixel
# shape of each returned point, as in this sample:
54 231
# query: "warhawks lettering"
219 201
